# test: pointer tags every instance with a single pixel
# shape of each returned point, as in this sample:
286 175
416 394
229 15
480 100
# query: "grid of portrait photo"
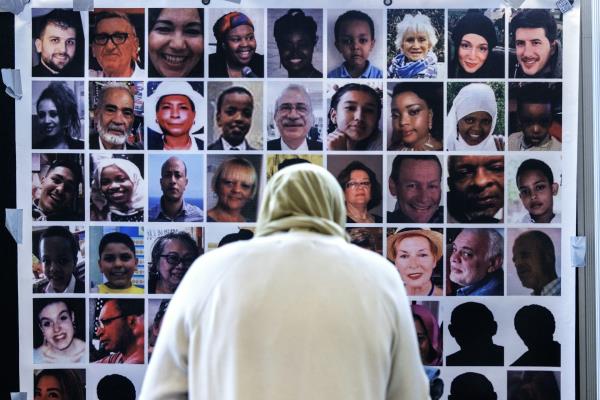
155 130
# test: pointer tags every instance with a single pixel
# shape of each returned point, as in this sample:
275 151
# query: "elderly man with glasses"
115 46
294 119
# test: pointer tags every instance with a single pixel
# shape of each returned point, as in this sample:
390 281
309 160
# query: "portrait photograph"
69 382
475 262
59 330
235 116
58 259
543 384
414 189
175 42
360 178
175 115
535 43
415 44
534 188
156 312
535 116
58 43
415 119
117 260
475 120
170 253
370 238
57 120
116 331
56 187
417 255
476 44
234 184
354 120
534 261
117 43
426 315
235 43
295 45
277 162
117 187
175 189
116 120
355 44
295 116
472 198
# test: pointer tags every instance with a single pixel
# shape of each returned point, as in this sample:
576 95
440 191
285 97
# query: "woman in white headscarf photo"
472 119
117 191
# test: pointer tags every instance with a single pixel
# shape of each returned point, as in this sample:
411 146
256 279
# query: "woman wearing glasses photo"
362 192
172 255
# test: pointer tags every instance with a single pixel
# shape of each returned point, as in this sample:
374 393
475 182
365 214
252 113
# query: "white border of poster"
208 234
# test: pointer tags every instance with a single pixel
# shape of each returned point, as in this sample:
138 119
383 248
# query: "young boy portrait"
354 33
537 189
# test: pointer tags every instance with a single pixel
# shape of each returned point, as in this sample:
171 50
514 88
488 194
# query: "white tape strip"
578 251
12 80
14 6
14 223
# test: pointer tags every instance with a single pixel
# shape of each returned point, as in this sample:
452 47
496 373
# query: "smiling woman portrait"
415 123
176 42
476 52
59 331
296 38
118 191
234 184
416 253
235 55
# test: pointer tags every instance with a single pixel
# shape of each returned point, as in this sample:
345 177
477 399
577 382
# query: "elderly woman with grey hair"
415 39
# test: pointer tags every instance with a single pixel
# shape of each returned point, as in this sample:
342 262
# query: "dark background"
8 275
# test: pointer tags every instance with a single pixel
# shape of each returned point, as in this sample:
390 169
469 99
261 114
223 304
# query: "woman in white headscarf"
285 309
117 191
472 119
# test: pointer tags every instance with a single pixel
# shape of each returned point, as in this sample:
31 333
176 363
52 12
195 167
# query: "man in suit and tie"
294 119
234 116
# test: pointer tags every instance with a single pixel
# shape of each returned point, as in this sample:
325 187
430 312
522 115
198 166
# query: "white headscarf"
471 98
136 202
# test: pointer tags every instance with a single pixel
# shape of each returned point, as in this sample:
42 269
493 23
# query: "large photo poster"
147 134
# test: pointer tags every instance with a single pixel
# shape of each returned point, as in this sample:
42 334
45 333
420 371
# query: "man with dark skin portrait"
235 106
294 119
537 48
173 207
113 119
58 254
415 180
535 117
58 193
535 261
57 45
118 328
476 189
115 46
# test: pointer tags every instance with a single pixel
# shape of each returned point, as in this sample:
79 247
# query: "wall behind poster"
514 202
